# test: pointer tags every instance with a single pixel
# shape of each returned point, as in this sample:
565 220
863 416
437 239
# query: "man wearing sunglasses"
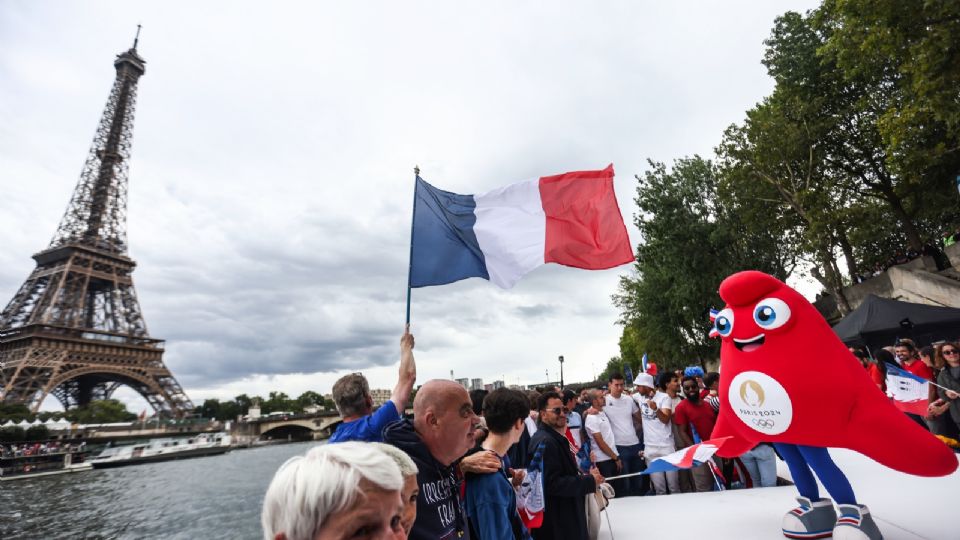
565 489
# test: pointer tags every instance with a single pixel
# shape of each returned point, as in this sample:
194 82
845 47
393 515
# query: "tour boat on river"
207 444
31 464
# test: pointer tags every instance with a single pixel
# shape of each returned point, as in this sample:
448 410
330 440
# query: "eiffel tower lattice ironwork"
74 329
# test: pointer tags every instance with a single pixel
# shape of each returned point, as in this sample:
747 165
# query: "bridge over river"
288 427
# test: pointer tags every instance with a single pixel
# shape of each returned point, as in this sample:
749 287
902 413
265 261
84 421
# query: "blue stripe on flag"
445 248
661 465
898 372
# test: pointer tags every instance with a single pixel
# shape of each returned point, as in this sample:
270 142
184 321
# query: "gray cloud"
270 185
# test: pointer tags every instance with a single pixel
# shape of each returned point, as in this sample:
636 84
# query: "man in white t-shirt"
600 433
622 410
656 410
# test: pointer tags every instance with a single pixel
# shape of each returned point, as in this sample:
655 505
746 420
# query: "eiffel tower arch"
74 329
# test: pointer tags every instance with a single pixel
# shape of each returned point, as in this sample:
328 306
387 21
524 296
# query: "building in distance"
380 396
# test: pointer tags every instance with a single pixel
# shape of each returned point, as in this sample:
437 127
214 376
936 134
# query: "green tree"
691 242
279 401
37 433
243 403
907 52
11 434
229 410
310 398
100 412
210 409
15 412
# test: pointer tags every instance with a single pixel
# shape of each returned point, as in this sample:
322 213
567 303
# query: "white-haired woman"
411 490
335 492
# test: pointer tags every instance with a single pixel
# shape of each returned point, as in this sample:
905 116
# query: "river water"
208 497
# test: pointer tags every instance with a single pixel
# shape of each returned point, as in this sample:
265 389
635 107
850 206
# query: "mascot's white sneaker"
812 519
856 523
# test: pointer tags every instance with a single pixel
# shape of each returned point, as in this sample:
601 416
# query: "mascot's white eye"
724 322
771 313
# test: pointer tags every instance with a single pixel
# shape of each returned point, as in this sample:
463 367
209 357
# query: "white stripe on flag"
905 388
511 229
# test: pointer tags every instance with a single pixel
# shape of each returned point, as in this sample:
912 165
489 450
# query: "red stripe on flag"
687 460
584 226
918 407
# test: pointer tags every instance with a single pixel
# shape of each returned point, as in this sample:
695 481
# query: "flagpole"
413 219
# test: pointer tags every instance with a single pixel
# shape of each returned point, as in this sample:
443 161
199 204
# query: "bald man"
436 440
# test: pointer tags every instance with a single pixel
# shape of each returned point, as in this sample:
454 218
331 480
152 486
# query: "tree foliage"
275 402
849 159
692 239
103 411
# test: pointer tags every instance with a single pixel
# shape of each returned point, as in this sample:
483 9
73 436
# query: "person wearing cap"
656 410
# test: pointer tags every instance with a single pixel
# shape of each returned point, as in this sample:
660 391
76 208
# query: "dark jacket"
518 454
944 378
565 489
440 513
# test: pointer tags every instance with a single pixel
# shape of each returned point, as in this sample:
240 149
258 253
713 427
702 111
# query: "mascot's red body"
793 381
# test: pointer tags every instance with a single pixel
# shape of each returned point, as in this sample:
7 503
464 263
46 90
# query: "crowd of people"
459 467
39 449
938 363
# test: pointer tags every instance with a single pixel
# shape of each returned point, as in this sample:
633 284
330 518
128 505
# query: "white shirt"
531 425
599 423
620 413
655 432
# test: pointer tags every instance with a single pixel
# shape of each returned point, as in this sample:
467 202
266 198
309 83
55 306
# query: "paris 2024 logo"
760 402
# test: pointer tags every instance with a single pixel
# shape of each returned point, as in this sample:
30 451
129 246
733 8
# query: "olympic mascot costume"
770 393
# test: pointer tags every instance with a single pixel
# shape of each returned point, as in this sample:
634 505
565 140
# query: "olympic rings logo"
763 423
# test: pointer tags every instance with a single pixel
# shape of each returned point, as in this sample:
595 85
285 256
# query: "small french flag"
909 392
643 363
713 329
687 458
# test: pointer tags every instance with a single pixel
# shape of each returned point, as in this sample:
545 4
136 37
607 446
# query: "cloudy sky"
271 179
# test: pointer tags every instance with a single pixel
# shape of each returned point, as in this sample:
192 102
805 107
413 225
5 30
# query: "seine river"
209 497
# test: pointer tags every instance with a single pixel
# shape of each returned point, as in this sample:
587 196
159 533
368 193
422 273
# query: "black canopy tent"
879 322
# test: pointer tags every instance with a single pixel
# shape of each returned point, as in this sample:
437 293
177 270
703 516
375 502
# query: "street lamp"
561 372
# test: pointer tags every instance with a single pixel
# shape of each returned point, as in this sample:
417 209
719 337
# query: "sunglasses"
555 410
950 351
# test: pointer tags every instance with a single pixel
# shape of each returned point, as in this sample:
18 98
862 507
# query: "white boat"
207 444
32 465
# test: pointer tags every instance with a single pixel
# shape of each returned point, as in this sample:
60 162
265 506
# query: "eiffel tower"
74 329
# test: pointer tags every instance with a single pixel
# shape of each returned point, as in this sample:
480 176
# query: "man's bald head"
437 394
443 417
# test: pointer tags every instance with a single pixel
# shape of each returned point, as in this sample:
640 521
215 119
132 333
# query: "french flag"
571 219
687 458
909 392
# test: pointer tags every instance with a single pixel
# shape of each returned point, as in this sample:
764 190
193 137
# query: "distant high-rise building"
488 387
464 383
476 384
380 396
498 385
